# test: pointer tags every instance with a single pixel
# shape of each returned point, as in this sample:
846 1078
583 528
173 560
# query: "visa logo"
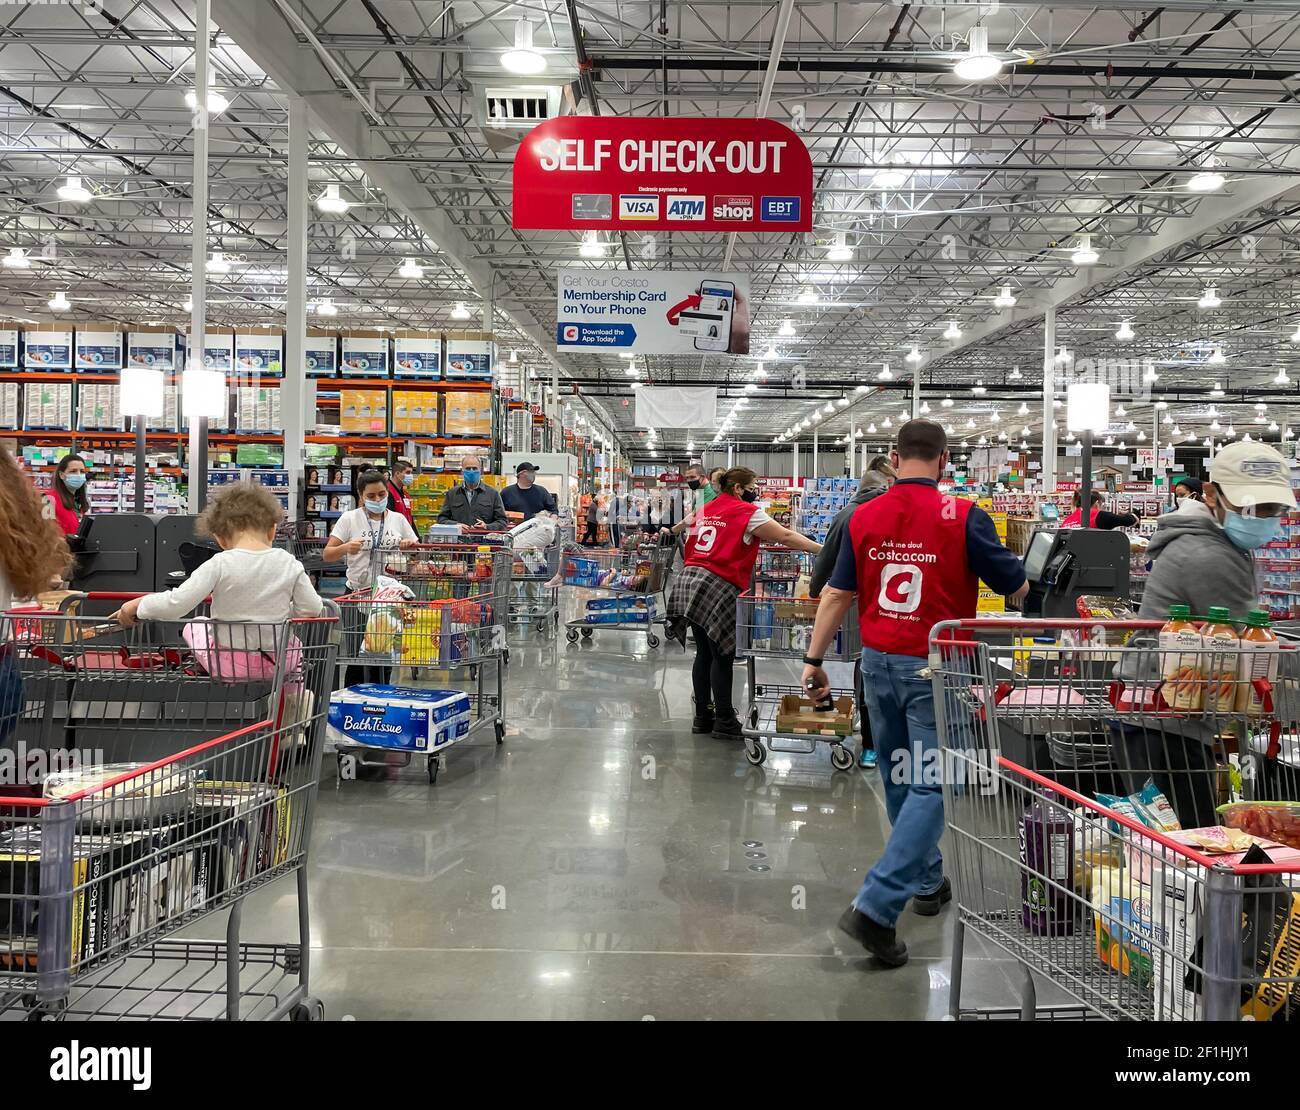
781 209
636 206
685 208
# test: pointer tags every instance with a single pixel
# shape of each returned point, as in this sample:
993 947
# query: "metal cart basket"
162 773
772 623
631 578
1124 883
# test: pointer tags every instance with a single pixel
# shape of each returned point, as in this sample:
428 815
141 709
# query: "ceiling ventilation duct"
506 112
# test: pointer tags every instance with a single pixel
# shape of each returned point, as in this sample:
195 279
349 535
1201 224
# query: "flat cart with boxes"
431 608
1159 879
774 622
623 587
162 774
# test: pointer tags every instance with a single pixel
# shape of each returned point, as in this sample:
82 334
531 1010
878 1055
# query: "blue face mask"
378 506
1250 532
471 477
74 481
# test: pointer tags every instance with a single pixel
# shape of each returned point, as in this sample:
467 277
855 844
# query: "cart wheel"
310 1008
755 753
652 641
586 633
572 635
431 765
841 757
501 732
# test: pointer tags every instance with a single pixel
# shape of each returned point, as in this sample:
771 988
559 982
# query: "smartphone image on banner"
710 324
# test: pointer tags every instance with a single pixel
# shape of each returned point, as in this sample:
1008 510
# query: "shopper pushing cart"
913 557
720 555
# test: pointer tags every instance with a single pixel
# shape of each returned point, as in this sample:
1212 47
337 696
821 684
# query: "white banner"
652 312
676 406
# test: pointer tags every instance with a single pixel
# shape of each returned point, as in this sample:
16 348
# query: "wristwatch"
810 661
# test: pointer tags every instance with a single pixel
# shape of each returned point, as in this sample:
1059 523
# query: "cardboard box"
796 714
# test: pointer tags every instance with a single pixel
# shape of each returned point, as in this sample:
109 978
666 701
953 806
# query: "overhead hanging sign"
652 312
616 173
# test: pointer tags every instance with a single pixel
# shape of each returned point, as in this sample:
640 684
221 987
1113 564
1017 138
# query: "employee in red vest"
720 553
399 499
1097 516
913 557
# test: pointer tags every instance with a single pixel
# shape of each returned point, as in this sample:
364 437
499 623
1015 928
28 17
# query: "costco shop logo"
570 333
685 208
635 206
736 208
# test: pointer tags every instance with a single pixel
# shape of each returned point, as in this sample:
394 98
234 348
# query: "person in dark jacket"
471 504
877 478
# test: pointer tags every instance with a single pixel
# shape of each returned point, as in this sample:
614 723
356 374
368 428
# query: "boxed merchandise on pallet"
97 348
365 354
47 347
321 353
417 354
259 352
471 356
218 350
9 336
467 413
154 348
363 411
400 717
9 393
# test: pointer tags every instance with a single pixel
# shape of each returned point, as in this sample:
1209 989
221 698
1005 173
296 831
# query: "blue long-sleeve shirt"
1001 569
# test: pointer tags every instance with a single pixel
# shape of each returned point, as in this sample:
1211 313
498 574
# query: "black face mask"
749 495
692 483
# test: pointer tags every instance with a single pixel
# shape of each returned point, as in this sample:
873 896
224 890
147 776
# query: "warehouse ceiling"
945 190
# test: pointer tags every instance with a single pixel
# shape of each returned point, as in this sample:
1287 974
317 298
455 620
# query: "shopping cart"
632 579
772 622
160 774
305 540
434 607
534 592
1078 871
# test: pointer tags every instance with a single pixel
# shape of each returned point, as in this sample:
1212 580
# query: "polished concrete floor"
605 863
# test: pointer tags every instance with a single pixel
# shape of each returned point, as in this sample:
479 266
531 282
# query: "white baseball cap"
1253 474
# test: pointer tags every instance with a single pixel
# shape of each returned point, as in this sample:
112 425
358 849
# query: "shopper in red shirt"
398 499
913 557
66 500
720 555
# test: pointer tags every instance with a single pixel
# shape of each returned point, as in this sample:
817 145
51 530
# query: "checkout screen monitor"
1040 547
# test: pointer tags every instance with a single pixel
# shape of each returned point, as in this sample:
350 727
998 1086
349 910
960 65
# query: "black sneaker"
701 725
880 942
929 905
727 728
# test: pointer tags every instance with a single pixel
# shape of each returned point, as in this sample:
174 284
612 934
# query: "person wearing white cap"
1201 557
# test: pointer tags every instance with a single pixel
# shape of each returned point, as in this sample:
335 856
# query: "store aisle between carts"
605 863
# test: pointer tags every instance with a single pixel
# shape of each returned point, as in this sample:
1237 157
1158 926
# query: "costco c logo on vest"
900 588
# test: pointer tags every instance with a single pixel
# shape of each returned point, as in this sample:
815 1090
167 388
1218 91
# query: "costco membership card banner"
619 174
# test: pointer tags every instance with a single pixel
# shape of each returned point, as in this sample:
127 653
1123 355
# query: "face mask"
1250 532
74 481
471 477
399 479
693 483
749 495
378 506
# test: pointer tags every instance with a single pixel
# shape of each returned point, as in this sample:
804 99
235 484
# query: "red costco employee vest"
717 540
1075 519
913 571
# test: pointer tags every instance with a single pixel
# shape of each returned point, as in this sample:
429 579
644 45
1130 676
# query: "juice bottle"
1222 651
1259 658
1180 660
1046 868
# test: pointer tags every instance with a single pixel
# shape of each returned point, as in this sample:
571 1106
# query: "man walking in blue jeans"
913 557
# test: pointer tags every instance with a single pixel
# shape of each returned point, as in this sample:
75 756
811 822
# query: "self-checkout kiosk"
1063 564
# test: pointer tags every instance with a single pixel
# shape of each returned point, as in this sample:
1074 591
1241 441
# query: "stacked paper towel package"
823 498
404 718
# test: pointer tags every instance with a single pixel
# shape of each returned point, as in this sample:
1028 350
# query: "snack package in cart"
386 615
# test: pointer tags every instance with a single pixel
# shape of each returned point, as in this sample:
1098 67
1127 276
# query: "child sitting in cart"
249 581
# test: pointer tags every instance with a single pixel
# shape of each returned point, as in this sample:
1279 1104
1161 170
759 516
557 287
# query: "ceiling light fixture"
771 353
59 302
1217 391
522 58
978 388
1216 357
1004 299
410 269
786 330
217 264
16 259
952 331
1207 179
1015 374
914 355
892 176
331 201
808 296
216 102
326 307
946 402
977 64
459 311
1084 254
1281 378
884 374
73 190
839 250
1210 298
1124 331
591 245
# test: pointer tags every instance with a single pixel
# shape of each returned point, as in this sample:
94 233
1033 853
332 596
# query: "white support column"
794 462
1157 471
916 390
851 452
1049 391
198 460
731 453
293 407
815 471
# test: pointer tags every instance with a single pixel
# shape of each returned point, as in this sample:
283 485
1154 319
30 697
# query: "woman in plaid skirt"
721 549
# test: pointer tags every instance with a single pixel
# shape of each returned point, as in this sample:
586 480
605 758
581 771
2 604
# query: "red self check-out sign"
612 173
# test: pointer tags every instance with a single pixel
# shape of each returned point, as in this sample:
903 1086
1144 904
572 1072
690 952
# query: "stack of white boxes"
170 420
99 407
9 405
48 405
258 409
